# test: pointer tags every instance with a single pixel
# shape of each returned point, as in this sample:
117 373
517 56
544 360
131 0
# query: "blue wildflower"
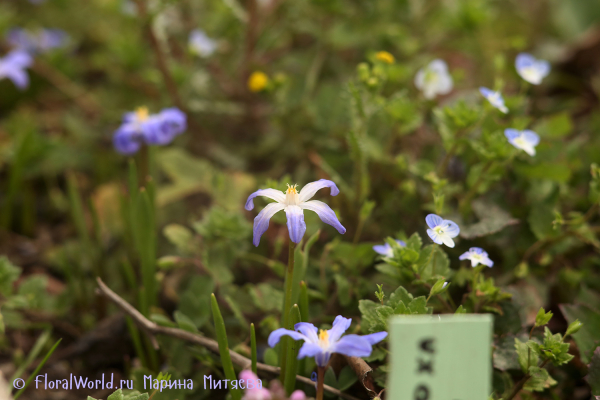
326 342
140 127
441 230
13 66
294 203
477 256
200 44
524 140
40 41
495 98
386 250
434 79
530 69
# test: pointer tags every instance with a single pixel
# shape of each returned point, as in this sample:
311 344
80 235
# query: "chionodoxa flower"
495 98
524 140
275 391
434 79
530 69
441 230
294 203
13 66
40 41
200 44
386 250
477 256
153 129
321 344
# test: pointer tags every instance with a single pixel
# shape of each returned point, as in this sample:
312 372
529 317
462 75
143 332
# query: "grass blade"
224 346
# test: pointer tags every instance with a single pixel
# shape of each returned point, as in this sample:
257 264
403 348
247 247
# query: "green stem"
253 348
320 382
287 304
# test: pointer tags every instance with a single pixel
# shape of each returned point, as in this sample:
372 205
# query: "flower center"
291 195
142 113
521 142
431 77
323 338
439 230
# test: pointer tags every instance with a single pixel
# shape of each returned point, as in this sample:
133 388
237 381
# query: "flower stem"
287 304
320 382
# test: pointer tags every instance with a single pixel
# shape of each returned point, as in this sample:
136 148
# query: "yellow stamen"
323 336
258 81
291 189
142 113
385 57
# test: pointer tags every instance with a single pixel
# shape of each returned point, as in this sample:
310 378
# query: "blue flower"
524 140
441 230
322 345
13 66
477 256
294 203
140 127
36 42
386 250
200 44
495 98
530 69
434 79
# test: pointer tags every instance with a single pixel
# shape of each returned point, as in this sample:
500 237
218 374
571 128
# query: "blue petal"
524 60
543 67
465 255
353 346
434 236
531 137
486 92
477 250
486 261
326 214
174 119
511 134
382 249
18 76
155 133
308 330
451 228
261 222
340 325
375 338
276 335
309 190
433 220
295 223
400 243
270 193
125 140
309 350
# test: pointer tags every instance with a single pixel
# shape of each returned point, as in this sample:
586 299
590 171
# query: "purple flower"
294 203
441 230
531 69
141 127
495 98
322 345
477 256
524 140
386 250
36 42
200 44
13 65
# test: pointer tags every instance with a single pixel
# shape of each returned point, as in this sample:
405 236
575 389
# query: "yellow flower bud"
385 57
258 81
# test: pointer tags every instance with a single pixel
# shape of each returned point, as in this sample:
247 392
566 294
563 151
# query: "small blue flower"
524 140
200 44
495 98
326 342
530 69
294 203
477 256
434 79
140 127
441 230
13 66
41 41
386 250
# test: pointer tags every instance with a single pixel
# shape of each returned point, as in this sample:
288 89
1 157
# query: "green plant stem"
253 348
287 304
292 353
519 385
320 382
34 373
221 334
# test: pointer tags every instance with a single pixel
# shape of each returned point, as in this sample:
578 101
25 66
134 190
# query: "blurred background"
280 92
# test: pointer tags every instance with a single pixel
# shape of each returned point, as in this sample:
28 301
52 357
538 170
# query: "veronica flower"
141 127
530 69
434 79
386 250
36 42
477 256
495 98
524 140
275 391
326 342
200 44
13 66
294 203
441 230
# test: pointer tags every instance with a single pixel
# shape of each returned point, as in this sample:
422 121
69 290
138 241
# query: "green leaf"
540 221
346 378
574 327
419 306
556 126
8 275
542 318
400 295
553 171
184 322
460 310
369 316
492 219
525 357
343 289
433 262
118 395
587 337
539 381
439 287
593 376
271 358
180 236
504 356
414 242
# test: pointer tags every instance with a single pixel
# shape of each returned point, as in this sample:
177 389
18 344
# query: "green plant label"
440 357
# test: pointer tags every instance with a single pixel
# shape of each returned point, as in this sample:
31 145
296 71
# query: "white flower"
434 79
530 69
524 140
200 44
441 230
477 256
495 98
